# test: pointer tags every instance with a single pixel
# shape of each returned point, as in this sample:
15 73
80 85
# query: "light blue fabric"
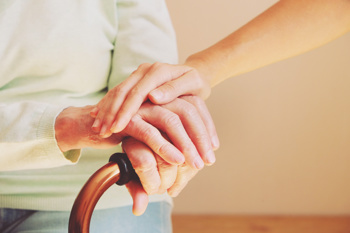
156 219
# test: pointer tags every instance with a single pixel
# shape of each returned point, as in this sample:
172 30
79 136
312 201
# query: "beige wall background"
284 129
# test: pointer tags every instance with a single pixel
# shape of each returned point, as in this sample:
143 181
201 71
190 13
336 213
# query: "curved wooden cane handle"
119 170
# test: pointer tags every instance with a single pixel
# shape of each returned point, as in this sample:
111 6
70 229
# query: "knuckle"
134 129
194 100
143 66
169 87
157 65
189 111
163 149
118 89
160 67
188 149
151 186
165 166
172 120
147 133
132 123
202 138
136 92
144 164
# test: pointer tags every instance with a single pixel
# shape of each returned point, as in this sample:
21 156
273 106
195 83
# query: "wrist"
62 125
73 128
201 66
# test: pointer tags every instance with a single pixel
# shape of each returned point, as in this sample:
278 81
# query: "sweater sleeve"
145 35
27 138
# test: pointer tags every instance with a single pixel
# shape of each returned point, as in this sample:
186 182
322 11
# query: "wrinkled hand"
159 82
73 131
185 122
182 121
156 174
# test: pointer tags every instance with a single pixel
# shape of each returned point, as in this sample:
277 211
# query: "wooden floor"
258 224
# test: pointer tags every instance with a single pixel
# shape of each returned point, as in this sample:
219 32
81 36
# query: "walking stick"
118 170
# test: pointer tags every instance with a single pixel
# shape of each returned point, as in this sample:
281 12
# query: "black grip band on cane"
127 172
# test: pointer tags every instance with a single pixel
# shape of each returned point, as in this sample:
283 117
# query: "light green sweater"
60 53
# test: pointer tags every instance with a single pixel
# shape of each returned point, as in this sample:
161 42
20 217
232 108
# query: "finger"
148 134
167 172
195 128
185 174
156 75
108 109
110 104
94 112
190 83
170 123
144 163
206 118
139 197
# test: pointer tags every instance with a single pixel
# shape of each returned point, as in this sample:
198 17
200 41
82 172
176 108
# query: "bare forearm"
288 28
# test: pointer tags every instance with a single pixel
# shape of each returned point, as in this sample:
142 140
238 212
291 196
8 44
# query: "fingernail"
157 94
211 157
94 111
215 142
107 134
116 128
198 163
96 124
103 130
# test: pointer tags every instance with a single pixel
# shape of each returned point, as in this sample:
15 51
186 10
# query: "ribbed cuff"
46 130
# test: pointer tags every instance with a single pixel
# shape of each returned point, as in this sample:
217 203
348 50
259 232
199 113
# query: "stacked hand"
159 82
167 144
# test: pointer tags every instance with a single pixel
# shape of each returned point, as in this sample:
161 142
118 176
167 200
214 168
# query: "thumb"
139 197
190 83
164 94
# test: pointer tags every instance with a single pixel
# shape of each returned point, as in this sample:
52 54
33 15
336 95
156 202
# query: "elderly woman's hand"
186 122
157 140
157 175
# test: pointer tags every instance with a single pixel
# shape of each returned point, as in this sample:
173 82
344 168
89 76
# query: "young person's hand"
161 83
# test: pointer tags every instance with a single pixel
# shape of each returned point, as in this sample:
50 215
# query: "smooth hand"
161 83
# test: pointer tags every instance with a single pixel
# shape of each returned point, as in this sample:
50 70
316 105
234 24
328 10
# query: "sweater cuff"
46 130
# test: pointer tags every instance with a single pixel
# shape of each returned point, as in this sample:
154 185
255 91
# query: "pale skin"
159 164
173 179
287 29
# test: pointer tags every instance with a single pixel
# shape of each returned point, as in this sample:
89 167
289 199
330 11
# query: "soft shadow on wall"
284 129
